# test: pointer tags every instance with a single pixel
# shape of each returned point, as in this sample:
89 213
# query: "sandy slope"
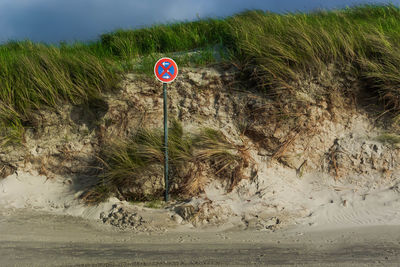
313 200
25 190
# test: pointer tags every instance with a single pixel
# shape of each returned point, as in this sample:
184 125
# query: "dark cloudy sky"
69 20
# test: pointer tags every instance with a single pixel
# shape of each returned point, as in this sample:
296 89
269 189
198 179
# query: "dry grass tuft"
195 159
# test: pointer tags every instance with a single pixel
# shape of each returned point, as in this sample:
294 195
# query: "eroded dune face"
308 158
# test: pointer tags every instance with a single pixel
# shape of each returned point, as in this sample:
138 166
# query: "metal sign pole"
165 71
165 141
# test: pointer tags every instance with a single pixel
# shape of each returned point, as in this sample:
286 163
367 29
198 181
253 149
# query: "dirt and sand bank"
321 186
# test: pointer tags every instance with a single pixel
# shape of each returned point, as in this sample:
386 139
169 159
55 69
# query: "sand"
57 195
36 238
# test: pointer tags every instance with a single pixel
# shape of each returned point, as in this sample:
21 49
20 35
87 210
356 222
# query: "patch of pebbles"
120 217
262 224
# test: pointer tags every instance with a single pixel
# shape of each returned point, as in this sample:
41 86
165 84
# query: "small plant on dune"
98 193
11 133
154 204
127 163
127 160
389 138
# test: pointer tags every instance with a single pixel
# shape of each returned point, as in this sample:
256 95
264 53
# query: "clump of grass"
98 193
128 163
11 133
213 146
11 129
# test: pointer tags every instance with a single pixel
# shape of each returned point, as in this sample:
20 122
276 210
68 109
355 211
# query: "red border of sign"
159 62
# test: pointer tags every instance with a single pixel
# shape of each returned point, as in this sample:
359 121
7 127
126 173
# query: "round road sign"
166 70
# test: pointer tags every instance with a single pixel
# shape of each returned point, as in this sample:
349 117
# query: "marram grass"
277 48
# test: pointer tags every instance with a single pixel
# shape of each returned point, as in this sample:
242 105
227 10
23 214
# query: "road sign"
166 70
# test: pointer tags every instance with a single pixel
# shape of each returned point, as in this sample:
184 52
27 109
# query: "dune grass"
273 49
166 38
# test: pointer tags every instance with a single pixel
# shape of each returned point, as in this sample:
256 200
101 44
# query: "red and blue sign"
166 70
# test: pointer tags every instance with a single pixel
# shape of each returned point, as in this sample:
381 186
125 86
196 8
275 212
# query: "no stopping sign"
166 70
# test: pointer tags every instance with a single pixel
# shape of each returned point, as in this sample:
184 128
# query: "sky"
52 21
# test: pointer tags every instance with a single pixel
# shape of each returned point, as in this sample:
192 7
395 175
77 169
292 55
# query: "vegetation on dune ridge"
363 42
272 48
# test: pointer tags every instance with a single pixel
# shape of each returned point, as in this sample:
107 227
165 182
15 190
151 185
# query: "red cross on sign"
166 70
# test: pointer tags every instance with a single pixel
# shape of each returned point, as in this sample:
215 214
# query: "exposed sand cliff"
312 161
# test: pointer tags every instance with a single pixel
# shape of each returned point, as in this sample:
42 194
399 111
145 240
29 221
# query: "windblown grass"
213 145
276 49
33 76
273 49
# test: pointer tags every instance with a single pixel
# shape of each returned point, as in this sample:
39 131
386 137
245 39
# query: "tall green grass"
166 38
34 76
363 40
